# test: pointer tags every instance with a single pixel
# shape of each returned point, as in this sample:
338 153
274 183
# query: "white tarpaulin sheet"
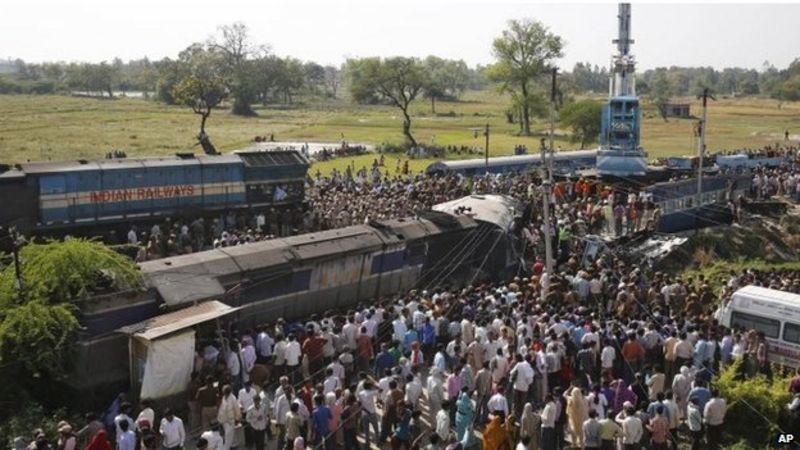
169 365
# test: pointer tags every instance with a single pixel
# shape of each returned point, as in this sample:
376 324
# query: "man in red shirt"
312 347
633 353
363 350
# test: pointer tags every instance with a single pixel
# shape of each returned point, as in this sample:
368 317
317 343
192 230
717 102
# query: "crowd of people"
345 198
601 357
604 357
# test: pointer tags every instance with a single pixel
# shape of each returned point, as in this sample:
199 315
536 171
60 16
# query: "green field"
61 127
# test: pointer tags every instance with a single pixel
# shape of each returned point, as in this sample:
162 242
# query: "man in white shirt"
367 396
229 413
124 416
264 344
607 357
246 395
126 439
522 377
673 413
413 391
714 416
257 416
349 333
292 355
399 328
213 438
281 406
548 416
498 402
443 423
331 383
234 365
173 435
632 430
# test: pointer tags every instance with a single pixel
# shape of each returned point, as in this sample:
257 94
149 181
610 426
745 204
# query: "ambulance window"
770 327
791 333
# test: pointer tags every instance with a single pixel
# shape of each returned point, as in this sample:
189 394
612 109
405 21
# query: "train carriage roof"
189 278
408 229
61 166
499 161
272 158
499 210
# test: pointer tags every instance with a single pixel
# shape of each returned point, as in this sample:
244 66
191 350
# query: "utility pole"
486 149
552 123
701 146
548 243
12 232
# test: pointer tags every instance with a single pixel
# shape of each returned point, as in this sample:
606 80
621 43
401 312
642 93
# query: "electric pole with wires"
701 146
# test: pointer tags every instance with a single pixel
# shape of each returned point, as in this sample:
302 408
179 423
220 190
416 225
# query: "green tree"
756 406
397 81
524 52
202 86
435 70
660 91
38 324
789 90
584 119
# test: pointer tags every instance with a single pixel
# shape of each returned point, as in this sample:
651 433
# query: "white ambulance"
775 313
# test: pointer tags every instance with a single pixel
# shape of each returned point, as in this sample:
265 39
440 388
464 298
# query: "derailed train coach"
458 242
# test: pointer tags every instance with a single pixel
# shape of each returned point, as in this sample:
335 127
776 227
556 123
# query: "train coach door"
52 198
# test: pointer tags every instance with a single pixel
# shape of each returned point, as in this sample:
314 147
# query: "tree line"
230 67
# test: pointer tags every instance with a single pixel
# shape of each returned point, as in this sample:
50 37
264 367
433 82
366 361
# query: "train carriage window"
770 327
791 332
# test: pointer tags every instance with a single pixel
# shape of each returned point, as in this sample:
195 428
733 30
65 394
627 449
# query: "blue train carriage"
683 209
19 203
566 162
274 177
497 243
746 161
114 190
295 276
53 195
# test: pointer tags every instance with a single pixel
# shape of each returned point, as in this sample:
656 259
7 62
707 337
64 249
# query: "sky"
329 31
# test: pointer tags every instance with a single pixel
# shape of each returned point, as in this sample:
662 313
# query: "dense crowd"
605 356
345 198
350 197
594 358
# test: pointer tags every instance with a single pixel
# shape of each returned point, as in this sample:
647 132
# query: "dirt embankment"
760 240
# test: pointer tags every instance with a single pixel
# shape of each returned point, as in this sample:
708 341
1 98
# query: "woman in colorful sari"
495 436
620 395
465 416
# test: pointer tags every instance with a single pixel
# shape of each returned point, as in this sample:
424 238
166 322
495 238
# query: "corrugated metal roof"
169 323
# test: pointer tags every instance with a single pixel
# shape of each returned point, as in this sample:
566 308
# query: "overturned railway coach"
44 196
457 243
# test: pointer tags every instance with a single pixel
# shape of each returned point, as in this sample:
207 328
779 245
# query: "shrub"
756 406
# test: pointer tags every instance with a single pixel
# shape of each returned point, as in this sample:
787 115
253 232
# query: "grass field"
60 127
